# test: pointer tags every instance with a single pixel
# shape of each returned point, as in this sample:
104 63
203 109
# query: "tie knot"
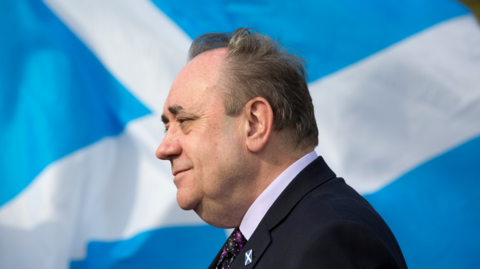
231 249
235 242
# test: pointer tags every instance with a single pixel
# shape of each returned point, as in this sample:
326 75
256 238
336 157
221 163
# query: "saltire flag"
396 89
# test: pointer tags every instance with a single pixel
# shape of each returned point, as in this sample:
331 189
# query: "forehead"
196 81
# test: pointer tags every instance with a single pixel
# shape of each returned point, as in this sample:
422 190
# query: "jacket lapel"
214 262
314 175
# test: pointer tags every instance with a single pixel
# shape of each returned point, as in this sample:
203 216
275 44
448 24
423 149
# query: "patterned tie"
232 247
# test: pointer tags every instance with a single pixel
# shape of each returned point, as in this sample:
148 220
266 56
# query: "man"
241 134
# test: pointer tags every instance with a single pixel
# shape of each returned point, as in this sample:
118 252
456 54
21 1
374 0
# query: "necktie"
232 247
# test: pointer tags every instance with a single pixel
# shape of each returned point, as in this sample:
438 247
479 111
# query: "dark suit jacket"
320 222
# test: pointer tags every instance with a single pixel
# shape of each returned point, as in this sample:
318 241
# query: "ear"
259 116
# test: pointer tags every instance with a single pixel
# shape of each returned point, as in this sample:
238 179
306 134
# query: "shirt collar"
264 201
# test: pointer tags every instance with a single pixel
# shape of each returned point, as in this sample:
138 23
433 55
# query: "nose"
169 148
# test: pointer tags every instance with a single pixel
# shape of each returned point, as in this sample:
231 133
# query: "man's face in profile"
203 145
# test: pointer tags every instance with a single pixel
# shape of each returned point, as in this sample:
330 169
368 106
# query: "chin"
186 204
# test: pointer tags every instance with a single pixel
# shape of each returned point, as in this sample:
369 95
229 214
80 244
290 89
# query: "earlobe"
260 123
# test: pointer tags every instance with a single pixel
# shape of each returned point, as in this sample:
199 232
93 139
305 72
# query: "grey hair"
258 66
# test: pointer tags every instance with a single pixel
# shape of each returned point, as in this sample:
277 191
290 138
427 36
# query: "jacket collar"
315 174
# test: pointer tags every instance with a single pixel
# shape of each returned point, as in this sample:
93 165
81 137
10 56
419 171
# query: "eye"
182 120
184 124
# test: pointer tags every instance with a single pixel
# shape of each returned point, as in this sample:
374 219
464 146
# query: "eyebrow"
174 110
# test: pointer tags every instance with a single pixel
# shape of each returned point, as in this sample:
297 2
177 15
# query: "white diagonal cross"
248 257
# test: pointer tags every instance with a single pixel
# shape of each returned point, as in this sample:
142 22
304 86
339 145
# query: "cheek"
206 155
222 175
214 153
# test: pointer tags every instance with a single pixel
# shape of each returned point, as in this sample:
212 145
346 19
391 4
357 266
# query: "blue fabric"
434 210
333 34
175 247
55 96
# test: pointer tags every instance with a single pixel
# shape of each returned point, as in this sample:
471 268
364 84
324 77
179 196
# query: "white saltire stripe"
399 108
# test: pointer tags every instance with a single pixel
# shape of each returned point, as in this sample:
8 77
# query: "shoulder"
340 226
334 201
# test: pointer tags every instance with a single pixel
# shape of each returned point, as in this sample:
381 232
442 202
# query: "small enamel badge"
248 257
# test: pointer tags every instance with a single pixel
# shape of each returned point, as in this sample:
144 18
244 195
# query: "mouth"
177 172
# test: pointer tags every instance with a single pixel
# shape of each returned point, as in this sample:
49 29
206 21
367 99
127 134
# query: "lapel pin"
248 257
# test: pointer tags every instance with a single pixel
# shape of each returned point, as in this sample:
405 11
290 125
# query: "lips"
178 171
